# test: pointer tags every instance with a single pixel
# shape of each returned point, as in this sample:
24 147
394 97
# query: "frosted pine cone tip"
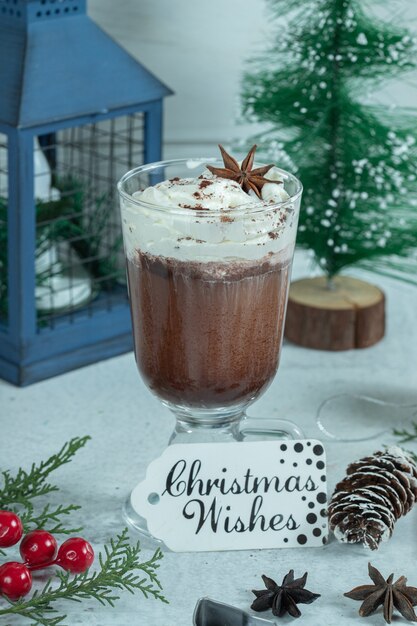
376 491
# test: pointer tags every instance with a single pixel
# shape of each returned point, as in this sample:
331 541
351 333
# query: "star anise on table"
243 174
387 594
285 597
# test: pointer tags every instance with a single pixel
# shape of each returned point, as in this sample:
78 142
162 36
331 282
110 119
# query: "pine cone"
377 491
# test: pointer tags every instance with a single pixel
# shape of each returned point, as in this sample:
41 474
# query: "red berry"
15 580
75 555
38 547
11 529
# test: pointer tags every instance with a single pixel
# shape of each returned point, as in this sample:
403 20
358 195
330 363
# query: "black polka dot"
309 461
298 447
295 464
285 540
321 497
303 498
317 532
323 513
283 447
302 539
309 443
224 469
323 478
281 461
311 505
318 450
324 540
311 518
319 464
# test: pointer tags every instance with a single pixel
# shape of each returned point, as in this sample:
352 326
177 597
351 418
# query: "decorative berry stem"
33 568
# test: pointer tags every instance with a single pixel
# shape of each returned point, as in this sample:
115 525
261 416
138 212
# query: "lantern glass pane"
79 261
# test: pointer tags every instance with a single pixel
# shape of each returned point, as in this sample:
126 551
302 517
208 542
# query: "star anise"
247 178
386 593
285 597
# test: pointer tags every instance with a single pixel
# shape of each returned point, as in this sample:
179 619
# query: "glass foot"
138 524
244 429
267 428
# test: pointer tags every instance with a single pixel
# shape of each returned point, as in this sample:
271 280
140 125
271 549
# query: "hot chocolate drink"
208 262
207 334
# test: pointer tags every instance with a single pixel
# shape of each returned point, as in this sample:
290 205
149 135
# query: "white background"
199 49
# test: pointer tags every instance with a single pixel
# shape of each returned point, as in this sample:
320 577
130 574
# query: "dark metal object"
212 613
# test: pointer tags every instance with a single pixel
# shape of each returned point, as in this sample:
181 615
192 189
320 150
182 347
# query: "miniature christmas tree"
356 160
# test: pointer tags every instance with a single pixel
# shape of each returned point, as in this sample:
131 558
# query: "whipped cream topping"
211 193
186 230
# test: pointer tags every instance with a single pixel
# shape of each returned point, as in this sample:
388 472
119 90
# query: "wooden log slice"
349 315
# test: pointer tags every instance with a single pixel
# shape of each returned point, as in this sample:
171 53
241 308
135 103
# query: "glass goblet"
208 292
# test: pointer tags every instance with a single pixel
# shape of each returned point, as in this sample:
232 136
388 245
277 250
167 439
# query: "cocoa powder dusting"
205 183
194 207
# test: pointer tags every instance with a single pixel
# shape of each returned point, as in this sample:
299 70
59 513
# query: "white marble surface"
129 427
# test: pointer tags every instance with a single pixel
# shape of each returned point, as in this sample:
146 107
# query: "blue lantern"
76 112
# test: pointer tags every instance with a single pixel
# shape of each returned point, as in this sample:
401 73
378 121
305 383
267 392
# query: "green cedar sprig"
406 436
29 484
19 490
120 569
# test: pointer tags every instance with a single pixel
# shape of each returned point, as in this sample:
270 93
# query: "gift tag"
236 496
